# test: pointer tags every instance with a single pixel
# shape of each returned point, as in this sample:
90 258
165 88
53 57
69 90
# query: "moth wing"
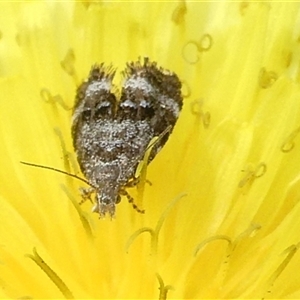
153 95
94 102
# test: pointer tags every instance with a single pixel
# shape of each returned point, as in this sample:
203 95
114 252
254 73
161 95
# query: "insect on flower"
111 135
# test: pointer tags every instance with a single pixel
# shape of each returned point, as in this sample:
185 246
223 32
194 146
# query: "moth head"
106 204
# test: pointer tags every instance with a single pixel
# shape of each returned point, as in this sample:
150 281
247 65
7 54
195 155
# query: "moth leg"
132 182
149 182
135 181
86 194
123 192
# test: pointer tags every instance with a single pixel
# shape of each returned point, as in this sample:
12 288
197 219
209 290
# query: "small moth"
111 134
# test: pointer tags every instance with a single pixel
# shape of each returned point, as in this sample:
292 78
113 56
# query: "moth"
111 132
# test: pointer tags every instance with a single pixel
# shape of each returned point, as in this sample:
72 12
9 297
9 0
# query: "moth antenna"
56 170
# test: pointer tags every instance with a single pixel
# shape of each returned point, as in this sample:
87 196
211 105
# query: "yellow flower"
222 214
